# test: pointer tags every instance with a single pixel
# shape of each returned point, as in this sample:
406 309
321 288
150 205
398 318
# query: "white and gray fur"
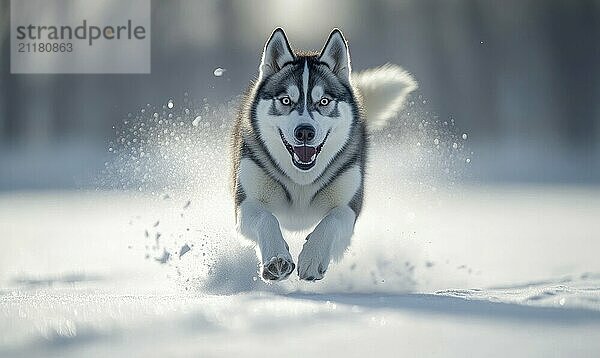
283 178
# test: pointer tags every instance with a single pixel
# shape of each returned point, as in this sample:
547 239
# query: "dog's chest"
300 210
298 206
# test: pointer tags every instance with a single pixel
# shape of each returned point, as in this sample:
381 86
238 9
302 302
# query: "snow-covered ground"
457 271
150 264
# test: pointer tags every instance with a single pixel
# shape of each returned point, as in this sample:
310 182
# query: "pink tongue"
305 153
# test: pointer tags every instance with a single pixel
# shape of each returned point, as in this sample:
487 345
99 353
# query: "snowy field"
472 271
149 265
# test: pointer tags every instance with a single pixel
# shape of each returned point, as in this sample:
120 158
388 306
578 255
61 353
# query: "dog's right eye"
286 101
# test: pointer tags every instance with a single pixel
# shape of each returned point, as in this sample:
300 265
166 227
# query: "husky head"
304 111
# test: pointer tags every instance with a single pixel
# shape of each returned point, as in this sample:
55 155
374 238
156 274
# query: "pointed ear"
276 54
336 55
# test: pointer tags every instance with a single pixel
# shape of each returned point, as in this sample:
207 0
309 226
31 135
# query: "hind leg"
259 225
328 241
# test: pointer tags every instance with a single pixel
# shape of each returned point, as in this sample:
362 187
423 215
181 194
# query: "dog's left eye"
286 101
324 101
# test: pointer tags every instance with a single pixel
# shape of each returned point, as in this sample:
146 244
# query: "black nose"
304 133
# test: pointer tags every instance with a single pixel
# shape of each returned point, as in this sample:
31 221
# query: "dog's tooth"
296 157
314 156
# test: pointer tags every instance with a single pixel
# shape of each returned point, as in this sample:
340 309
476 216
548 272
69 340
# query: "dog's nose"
304 133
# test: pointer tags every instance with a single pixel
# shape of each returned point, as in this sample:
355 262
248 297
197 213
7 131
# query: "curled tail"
383 91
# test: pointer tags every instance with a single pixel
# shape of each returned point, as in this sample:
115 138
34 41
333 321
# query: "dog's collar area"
304 157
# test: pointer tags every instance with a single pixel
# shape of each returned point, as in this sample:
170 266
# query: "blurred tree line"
514 74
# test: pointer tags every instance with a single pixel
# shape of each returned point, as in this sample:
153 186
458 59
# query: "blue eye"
286 101
324 101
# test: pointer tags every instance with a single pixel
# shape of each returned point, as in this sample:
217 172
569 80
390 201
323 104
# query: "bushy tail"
383 91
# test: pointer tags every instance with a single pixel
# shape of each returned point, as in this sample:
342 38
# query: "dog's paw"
277 268
313 260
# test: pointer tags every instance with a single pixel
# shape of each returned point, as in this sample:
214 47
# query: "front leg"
259 225
329 240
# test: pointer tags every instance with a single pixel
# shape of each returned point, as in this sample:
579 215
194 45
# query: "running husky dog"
300 146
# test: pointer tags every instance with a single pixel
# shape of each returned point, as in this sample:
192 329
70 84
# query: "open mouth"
304 156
